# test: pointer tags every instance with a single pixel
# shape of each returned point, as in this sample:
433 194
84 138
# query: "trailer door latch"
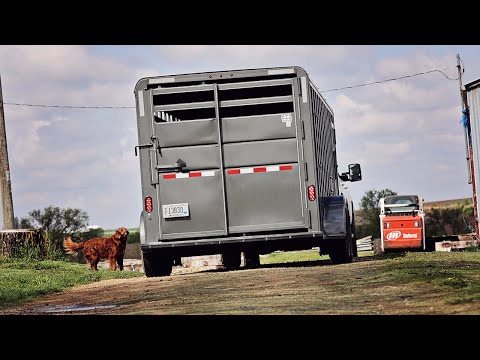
179 166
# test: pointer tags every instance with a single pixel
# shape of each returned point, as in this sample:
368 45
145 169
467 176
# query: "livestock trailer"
239 161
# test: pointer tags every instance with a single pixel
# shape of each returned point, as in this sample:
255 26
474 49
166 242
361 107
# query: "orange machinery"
402 223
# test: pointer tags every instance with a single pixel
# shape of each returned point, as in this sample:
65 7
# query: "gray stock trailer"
239 161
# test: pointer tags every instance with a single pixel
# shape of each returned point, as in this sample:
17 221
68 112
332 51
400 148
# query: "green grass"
291 256
297 256
448 203
458 271
110 232
23 280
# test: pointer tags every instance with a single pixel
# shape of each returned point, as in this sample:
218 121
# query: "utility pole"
464 106
5 181
469 147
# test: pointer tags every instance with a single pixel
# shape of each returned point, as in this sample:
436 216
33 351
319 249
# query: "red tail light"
148 204
311 193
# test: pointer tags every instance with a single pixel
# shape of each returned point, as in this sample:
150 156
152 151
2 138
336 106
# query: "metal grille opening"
255 110
183 97
255 92
183 115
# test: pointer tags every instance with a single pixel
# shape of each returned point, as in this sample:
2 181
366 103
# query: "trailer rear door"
241 143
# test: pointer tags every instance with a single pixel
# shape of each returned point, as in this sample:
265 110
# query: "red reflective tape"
169 176
233 172
195 174
260 169
286 167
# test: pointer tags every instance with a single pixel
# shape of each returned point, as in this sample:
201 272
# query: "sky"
406 133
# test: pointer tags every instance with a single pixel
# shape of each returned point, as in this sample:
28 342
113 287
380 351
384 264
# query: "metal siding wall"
324 139
474 105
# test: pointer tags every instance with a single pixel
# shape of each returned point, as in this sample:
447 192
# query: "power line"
70 106
324 91
393 79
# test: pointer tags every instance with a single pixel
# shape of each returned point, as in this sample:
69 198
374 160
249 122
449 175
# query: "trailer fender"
141 229
334 219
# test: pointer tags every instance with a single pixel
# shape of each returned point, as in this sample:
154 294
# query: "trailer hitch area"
179 166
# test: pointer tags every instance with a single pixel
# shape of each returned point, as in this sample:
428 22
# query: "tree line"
58 223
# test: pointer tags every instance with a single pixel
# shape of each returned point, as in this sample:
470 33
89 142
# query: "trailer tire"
156 265
354 237
252 258
341 251
231 260
377 246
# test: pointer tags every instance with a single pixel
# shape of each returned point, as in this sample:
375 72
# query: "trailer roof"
472 85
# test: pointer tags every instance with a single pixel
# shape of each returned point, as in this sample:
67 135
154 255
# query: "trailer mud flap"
334 217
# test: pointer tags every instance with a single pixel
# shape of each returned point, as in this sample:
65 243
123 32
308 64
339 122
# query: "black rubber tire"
231 260
252 258
354 237
155 265
341 251
377 246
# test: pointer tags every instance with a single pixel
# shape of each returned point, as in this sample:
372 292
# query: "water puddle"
71 308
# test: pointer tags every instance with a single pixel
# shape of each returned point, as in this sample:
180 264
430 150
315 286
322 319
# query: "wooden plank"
460 244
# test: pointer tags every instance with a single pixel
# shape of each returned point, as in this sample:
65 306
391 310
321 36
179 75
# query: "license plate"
175 210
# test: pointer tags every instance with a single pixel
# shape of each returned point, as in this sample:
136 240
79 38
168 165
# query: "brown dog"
112 248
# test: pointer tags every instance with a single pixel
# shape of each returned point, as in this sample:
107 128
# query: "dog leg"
120 263
96 264
113 264
93 261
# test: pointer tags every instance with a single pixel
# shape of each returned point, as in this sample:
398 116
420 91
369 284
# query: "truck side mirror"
355 172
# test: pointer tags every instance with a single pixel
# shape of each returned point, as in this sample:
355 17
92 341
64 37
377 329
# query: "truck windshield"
410 202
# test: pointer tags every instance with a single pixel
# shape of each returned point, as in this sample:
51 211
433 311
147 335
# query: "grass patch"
133 238
291 256
456 274
110 232
280 257
458 271
22 280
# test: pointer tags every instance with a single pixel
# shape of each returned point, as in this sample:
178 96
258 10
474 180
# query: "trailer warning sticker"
287 119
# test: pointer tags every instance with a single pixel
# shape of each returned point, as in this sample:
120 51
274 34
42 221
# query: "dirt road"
318 287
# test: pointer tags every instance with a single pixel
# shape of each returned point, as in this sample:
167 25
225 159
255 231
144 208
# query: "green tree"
448 220
370 212
56 222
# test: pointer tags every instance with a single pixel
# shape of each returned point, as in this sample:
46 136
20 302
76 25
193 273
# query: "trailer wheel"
252 259
156 265
341 250
377 246
354 237
231 260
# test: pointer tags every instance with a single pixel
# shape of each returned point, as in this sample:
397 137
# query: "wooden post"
5 181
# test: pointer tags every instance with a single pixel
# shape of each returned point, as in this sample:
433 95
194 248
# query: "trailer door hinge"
141 146
303 129
306 171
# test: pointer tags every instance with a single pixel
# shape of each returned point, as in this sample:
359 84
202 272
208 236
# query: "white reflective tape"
303 81
281 71
246 171
161 80
273 168
208 173
141 105
181 175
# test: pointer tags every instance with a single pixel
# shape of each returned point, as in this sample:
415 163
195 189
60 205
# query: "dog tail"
72 247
